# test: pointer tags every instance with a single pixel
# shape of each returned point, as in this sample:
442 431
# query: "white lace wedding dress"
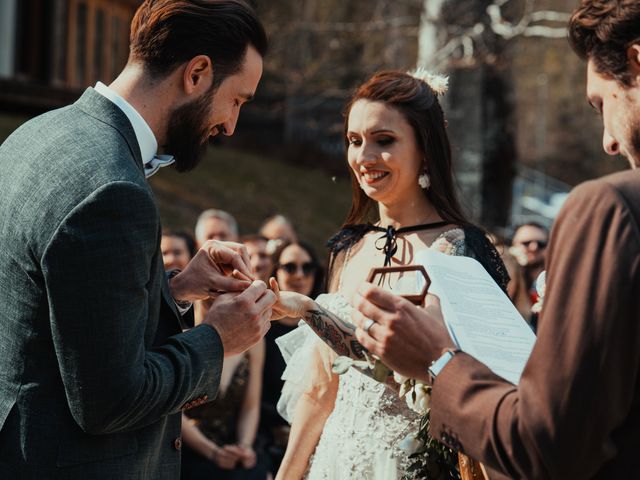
364 436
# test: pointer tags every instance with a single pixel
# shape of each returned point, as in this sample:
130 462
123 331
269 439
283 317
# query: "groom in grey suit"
94 369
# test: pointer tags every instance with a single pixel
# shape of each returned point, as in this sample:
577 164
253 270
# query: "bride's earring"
424 181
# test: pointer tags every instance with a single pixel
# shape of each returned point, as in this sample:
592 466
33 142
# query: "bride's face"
383 152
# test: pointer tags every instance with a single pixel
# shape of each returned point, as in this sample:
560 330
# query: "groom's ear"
633 57
197 76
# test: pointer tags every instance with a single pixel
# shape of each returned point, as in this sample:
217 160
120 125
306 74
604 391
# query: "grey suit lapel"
103 109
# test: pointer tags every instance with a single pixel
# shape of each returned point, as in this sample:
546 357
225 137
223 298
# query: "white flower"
438 83
541 287
419 398
409 444
400 379
407 386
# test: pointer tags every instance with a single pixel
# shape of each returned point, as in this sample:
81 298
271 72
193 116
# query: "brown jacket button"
177 443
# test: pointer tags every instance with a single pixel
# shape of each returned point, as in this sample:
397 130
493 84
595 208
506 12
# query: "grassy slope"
8 123
252 187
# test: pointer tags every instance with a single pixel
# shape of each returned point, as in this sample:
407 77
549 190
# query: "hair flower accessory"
438 83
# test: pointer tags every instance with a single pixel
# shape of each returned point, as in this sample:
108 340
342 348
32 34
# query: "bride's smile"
372 176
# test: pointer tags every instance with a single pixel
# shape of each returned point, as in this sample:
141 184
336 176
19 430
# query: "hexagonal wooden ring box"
378 276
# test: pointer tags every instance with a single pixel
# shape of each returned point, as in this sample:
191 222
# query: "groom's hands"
242 319
242 312
211 271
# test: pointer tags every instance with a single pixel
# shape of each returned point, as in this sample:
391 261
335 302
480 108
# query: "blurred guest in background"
177 247
516 288
528 246
216 224
260 260
296 268
219 436
278 229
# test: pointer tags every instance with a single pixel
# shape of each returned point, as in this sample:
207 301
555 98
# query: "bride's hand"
288 304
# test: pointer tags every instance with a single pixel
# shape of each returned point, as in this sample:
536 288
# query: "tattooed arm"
335 332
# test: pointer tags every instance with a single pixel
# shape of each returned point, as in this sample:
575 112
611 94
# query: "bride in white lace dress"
350 426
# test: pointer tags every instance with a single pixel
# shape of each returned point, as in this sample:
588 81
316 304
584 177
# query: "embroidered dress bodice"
362 437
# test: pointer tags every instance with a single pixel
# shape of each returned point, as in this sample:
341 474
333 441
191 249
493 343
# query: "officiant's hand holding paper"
405 337
217 267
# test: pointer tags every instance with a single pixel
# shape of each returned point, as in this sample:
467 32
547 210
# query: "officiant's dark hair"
602 31
168 33
419 105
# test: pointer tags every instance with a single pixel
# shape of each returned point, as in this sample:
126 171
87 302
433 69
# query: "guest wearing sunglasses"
528 246
296 268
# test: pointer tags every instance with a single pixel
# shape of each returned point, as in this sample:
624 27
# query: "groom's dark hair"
168 33
602 31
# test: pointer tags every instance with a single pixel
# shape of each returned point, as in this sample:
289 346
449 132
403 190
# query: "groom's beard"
188 132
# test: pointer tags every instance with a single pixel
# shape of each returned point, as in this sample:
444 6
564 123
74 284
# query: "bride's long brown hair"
419 105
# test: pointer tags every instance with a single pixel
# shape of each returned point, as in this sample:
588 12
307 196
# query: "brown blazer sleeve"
570 413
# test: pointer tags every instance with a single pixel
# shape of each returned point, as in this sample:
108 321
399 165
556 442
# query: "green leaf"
341 365
381 372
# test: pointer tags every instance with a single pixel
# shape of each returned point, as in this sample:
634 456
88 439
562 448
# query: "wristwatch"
437 365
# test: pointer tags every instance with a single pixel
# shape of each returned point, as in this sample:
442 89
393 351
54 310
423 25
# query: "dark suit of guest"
576 411
93 369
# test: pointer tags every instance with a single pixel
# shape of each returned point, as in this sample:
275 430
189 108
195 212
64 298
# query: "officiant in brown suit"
576 412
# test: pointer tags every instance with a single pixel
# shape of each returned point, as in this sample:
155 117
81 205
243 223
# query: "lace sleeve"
472 242
338 246
481 249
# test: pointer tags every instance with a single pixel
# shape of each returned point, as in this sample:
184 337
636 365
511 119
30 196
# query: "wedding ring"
367 325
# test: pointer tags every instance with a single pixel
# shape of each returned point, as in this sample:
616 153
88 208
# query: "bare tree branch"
461 44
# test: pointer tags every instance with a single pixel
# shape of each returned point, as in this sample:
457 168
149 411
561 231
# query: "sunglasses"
308 268
540 243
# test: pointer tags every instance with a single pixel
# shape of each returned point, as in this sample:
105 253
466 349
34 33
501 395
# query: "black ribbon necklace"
390 235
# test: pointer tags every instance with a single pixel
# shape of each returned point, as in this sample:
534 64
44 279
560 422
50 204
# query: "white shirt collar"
146 139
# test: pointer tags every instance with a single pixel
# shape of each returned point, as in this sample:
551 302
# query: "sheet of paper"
479 315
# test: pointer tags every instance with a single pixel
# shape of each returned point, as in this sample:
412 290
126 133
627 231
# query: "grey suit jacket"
93 368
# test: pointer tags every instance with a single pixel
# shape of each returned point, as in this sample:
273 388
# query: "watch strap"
438 364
